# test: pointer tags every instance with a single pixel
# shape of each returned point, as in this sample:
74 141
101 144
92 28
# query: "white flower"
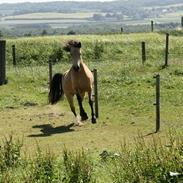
172 174
116 154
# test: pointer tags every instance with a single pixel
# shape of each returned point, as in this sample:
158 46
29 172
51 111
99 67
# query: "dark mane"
72 43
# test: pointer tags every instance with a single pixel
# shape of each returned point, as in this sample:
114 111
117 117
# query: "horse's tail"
56 89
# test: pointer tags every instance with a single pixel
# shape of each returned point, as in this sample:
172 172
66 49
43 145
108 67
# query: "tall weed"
78 168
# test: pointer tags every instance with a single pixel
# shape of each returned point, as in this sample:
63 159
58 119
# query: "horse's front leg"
71 103
94 120
83 114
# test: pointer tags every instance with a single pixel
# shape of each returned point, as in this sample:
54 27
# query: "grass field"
126 93
126 89
58 19
51 15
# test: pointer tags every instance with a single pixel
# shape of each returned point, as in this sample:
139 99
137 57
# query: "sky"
20 1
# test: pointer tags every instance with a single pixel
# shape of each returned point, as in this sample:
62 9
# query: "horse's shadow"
149 134
48 130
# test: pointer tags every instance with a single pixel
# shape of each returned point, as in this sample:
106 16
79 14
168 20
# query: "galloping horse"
76 81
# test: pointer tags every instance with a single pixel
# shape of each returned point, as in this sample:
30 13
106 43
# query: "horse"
76 81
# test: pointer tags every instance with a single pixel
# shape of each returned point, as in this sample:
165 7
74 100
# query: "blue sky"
15 1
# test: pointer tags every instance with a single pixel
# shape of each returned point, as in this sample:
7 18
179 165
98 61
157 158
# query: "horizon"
40 1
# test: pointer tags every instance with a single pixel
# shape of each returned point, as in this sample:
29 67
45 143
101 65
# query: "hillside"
127 7
55 18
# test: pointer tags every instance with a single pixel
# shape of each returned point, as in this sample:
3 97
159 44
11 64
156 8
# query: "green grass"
126 96
153 161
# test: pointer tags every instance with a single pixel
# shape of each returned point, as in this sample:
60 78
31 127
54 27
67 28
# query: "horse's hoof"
94 120
79 124
83 118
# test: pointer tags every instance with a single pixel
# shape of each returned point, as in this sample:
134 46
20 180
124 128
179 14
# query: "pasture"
126 93
56 20
66 20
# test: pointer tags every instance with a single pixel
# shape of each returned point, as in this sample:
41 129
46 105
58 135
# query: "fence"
2 62
14 55
151 27
166 44
157 104
166 52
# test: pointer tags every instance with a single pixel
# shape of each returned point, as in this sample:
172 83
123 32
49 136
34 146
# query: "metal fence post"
157 77
166 49
50 72
14 55
143 53
3 62
96 93
152 26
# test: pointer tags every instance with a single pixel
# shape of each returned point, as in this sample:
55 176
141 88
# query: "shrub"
78 168
57 54
98 50
149 163
42 168
10 155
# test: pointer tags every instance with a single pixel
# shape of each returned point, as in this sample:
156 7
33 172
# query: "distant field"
64 20
170 17
168 6
175 15
61 20
50 16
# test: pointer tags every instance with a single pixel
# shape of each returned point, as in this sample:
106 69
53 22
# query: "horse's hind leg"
83 114
91 105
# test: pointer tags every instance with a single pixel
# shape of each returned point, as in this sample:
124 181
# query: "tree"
98 17
1 34
71 32
44 32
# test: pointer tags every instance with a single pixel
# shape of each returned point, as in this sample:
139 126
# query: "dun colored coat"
76 81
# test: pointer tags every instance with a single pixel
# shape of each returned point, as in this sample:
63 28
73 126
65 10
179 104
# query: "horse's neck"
82 64
84 69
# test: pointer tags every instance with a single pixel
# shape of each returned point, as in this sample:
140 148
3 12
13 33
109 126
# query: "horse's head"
74 47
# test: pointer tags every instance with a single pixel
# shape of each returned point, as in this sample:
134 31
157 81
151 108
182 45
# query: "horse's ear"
67 48
79 45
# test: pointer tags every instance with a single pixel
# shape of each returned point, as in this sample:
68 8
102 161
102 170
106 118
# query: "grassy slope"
126 92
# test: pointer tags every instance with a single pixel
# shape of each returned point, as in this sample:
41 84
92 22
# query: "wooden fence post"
152 26
157 77
182 22
166 49
121 29
14 55
50 72
143 53
3 62
96 93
